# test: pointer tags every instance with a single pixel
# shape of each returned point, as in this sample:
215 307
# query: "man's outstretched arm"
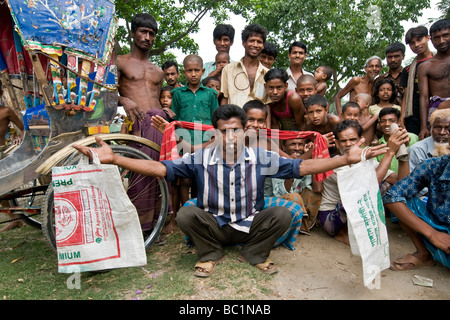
106 155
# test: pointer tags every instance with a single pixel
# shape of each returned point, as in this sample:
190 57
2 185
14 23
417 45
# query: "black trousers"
209 238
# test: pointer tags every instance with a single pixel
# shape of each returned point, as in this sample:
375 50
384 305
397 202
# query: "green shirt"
194 107
394 163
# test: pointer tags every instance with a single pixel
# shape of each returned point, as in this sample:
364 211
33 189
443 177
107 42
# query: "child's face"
266 60
306 90
316 114
351 113
193 71
222 60
363 103
256 119
276 89
385 92
165 99
319 75
214 84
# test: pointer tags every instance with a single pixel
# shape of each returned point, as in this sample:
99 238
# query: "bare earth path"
320 267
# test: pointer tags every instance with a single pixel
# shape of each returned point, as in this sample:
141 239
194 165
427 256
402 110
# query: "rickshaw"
59 56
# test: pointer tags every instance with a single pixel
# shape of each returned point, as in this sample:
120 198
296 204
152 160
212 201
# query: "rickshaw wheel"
48 217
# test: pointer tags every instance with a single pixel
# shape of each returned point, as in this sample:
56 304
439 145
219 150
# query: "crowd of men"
232 173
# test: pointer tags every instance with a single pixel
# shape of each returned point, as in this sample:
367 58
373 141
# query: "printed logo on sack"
66 221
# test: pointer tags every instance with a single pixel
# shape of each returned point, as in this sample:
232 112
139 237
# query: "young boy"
165 98
319 120
322 75
351 111
268 55
306 86
194 103
213 83
368 122
221 60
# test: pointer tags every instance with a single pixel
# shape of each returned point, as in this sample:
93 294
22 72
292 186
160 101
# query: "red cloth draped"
320 151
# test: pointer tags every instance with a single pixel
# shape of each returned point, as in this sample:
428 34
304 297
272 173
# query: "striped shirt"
233 194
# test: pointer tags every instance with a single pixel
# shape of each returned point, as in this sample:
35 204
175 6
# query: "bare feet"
342 236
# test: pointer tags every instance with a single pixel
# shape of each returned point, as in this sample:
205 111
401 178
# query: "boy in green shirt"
194 102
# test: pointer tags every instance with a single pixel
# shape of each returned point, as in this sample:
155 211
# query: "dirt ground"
322 268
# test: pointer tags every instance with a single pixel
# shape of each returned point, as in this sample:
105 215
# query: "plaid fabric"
290 236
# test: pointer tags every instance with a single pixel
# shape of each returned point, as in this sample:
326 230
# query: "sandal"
267 267
205 269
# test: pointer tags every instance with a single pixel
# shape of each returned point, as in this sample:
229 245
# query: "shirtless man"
140 80
140 84
433 75
360 84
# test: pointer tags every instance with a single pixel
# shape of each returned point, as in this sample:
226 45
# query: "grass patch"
29 272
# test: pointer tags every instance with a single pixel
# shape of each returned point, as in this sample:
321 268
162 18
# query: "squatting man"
230 179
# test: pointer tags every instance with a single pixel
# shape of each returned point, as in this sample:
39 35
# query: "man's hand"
105 153
132 109
331 140
397 138
424 133
159 123
441 240
355 154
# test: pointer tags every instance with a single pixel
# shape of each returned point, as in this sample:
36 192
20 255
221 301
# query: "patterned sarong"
290 236
143 190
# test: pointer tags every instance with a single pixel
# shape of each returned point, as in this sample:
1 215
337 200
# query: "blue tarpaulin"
87 26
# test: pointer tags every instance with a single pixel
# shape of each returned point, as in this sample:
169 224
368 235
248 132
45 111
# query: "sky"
207 50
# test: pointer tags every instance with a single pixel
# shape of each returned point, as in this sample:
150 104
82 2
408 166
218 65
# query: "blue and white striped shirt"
233 194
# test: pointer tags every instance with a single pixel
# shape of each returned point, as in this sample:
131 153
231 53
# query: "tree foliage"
339 33
177 21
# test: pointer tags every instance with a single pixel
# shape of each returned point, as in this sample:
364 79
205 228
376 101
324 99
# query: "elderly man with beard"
436 144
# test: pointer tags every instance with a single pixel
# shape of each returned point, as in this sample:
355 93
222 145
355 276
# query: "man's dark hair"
350 104
223 30
377 88
276 73
168 64
346 124
418 32
394 47
316 99
144 20
389 110
254 29
228 111
439 25
297 44
270 49
255 104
